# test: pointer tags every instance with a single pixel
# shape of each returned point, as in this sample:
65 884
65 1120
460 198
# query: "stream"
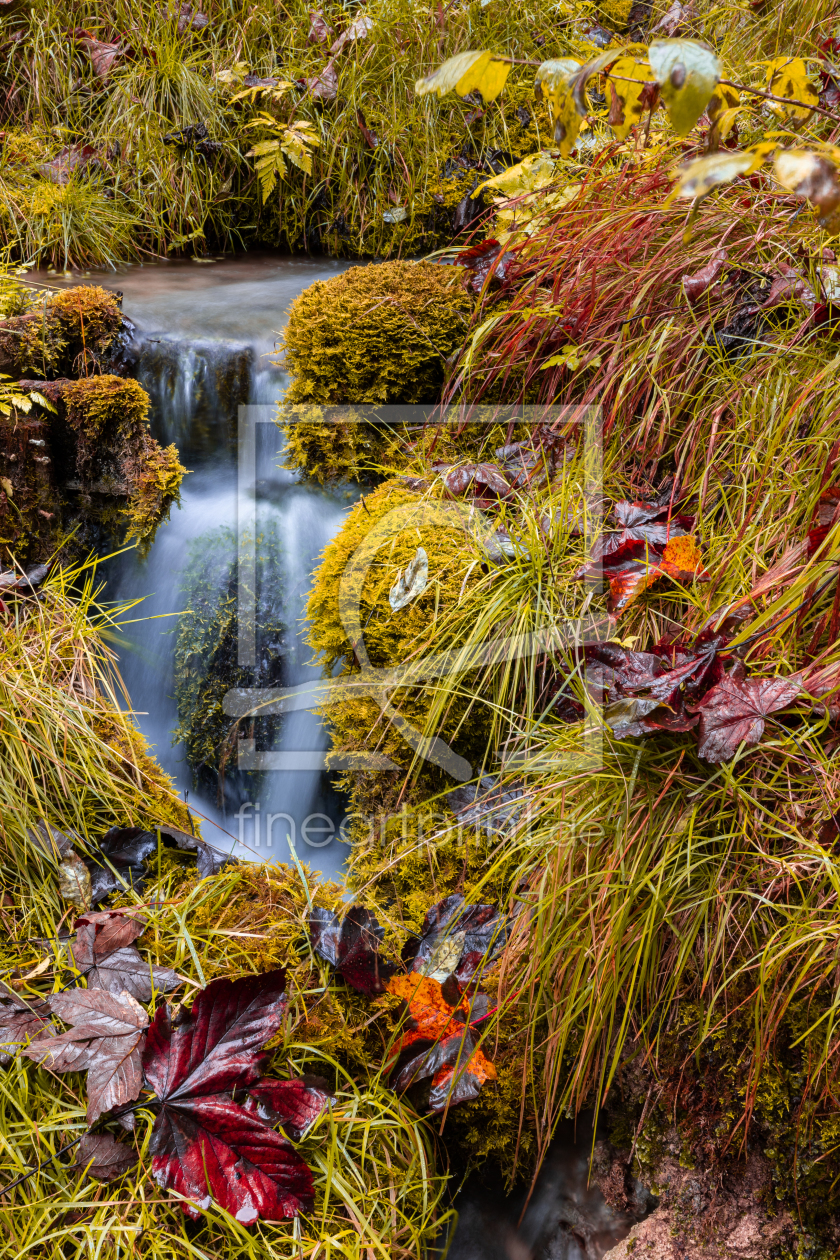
205 336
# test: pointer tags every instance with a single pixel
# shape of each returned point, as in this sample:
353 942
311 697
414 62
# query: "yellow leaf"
810 175
533 172
484 72
788 76
698 178
625 96
7 486
570 357
264 146
687 73
555 80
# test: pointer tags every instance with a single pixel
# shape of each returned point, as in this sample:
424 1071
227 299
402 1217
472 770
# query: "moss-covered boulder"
72 333
85 459
373 336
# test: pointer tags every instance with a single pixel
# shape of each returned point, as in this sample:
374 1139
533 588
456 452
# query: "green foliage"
207 649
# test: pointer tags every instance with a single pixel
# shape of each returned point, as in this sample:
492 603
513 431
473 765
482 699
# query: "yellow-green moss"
66 333
377 335
377 541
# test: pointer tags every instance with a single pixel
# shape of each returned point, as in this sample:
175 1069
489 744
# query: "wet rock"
710 1214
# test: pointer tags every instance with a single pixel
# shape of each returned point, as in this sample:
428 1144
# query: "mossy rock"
372 336
90 463
206 653
75 332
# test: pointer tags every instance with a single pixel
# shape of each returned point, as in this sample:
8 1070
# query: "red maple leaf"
733 713
204 1145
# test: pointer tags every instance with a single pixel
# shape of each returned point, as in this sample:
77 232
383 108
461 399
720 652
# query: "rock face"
703 1214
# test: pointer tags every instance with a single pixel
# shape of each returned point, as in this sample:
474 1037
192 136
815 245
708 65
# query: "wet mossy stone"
76 332
379 334
207 653
376 336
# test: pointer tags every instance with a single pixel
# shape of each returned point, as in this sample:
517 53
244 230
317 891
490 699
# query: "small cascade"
204 346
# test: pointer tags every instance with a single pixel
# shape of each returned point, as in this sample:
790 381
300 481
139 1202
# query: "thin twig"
13 1184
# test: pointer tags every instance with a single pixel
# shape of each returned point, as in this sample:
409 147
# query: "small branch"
783 100
13 1184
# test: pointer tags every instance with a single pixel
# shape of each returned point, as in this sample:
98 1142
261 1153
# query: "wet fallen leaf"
351 945
324 86
20 1022
674 18
436 1043
204 1145
458 480
411 583
359 29
294 1105
687 73
483 72
645 692
319 31
102 55
455 939
103 950
69 160
734 712
105 1039
696 285
555 81
101 1156
485 260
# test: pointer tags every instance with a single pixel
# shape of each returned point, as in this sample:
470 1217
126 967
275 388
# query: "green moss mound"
72 333
377 335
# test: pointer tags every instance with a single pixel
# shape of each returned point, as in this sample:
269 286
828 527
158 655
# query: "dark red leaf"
101 1156
211 1150
432 1057
204 1145
733 713
295 1105
487 260
458 480
351 945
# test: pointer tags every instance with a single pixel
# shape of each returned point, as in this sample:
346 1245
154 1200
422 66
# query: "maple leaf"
646 691
20 1021
205 1146
455 939
436 1042
458 480
103 949
101 1156
106 1040
351 945
733 713
294 1105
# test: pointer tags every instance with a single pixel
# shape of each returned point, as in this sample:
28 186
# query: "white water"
205 335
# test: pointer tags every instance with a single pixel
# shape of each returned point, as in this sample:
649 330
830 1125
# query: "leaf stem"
783 100
13 1184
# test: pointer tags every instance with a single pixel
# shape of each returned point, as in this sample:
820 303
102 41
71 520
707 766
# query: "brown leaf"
106 1040
677 16
733 713
356 30
695 286
319 31
69 160
103 949
20 1022
101 1156
102 55
324 86
789 287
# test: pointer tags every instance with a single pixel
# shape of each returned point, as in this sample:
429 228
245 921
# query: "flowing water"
205 336
204 341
